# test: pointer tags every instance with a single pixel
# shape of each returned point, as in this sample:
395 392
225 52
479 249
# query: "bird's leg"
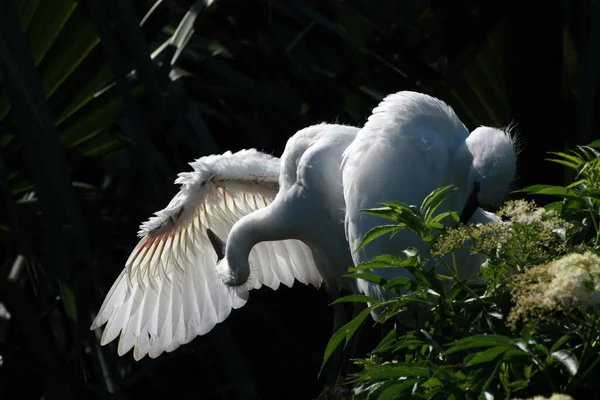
348 355
387 327
351 352
331 370
339 320
339 317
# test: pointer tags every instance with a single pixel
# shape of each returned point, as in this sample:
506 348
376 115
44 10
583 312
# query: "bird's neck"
267 224
463 161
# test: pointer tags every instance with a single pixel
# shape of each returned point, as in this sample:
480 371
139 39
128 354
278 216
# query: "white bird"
308 207
411 145
170 290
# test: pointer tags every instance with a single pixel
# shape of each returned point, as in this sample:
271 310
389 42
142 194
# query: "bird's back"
312 159
403 153
295 148
311 180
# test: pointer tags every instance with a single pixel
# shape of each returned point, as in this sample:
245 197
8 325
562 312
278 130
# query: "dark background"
93 131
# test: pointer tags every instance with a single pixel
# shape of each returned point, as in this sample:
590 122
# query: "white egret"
411 145
169 291
308 207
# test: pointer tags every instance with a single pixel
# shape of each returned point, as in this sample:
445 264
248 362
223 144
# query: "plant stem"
460 282
585 354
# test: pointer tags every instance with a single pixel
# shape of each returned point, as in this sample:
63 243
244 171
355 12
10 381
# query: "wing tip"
95 325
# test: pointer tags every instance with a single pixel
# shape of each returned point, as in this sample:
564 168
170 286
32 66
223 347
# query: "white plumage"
411 145
308 207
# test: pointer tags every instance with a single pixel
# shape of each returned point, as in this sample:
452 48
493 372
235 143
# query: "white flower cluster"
570 281
526 213
555 396
575 279
536 217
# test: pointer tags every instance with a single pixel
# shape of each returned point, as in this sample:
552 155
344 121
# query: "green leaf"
556 206
564 162
432 383
371 265
568 360
395 371
345 333
356 298
400 281
409 216
376 232
573 158
400 207
479 341
367 277
47 22
560 342
68 299
410 261
89 91
568 160
433 201
91 121
541 349
549 190
74 43
397 390
436 222
513 354
383 212
591 192
579 182
527 332
387 261
518 385
185 29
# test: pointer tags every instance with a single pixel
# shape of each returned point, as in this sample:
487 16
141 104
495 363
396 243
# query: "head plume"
494 163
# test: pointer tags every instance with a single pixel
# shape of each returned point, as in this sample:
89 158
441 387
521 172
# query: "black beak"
471 205
217 244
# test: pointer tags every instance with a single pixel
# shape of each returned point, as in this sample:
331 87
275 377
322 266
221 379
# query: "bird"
171 289
308 207
412 144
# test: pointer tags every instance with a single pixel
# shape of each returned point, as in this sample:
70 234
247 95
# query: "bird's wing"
169 292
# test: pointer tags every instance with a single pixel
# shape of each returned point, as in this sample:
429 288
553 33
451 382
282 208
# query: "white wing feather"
169 291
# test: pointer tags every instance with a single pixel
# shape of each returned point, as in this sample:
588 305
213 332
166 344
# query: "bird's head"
227 269
492 170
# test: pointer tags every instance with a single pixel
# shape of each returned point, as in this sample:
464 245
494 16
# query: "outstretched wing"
169 292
